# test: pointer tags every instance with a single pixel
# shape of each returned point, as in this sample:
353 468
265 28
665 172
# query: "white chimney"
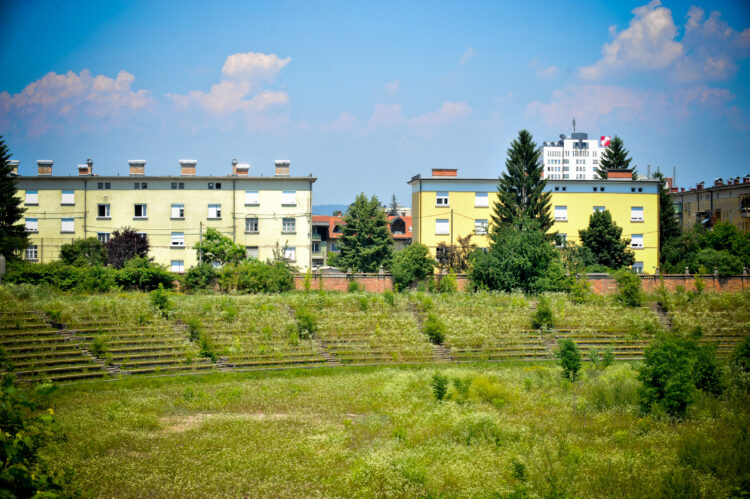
14 166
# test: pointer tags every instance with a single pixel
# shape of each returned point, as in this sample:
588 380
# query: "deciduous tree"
604 239
218 248
89 251
125 244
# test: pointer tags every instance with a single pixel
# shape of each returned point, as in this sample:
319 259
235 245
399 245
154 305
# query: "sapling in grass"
439 386
570 358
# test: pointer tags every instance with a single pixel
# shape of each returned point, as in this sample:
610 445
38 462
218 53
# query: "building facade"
725 201
256 212
573 157
445 207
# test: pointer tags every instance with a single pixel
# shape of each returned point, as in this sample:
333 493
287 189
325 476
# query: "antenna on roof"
574 125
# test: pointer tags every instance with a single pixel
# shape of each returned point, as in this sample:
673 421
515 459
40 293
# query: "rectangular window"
251 251
316 247
67 225
289 198
599 208
136 185
102 211
334 248
251 224
103 237
178 266
442 226
636 241
32 225
561 241
481 200
178 211
288 225
178 185
31 252
441 199
561 213
638 267
32 197
100 185
251 198
636 214
139 211
290 253
68 197
214 211
178 239
480 226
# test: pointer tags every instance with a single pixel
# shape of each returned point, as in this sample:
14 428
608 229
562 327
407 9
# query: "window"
32 197
31 252
334 247
251 198
290 253
441 199
178 239
178 211
32 225
636 214
480 226
251 224
251 251
289 198
561 213
102 211
139 211
212 185
638 267
599 208
481 200
288 225
140 185
68 197
441 226
178 185
214 211
67 225
103 237
316 247
561 240
178 266
636 241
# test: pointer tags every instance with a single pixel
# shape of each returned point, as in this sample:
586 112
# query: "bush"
439 386
706 370
100 345
601 361
124 245
83 252
615 388
200 277
355 287
142 274
570 358
435 329
628 288
666 376
580 290
389 297
739 365
411 265
446 283
306 323
206 347
160 300
543 317
254 276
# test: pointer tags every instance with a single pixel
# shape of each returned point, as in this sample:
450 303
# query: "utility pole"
200 253
451 227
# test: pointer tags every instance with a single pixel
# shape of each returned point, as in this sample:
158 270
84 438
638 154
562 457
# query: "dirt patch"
180 424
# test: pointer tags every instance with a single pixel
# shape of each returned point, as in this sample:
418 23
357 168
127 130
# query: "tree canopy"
669 227
723 247
603 238
218 248
615 156
125 244
521 188
13 237
365 242
412 264
89 251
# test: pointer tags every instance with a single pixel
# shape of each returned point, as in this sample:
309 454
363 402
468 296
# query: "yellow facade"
176 210
470 201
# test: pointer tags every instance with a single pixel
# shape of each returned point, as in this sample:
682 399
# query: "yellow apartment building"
257 212
445 207
725 201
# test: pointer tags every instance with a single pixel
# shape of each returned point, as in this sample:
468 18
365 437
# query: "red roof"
334 221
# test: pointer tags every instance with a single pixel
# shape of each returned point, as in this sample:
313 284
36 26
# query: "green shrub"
614 388
706 370
364 303
206 347
306 323
160 300
543 317
603 360
435 329
628 288
193 328
140 273
200 277
308 280
389 297
439 386
446 283
82 252
580 290
254 276
570 358
666 376
411 265
100 345
739 365
355 287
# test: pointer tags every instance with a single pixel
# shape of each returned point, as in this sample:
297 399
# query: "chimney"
44 167
282 167
619 174
14 167
683 190
736 180
700 185
240 169
445 172
718 182
187 167
668 181
137 167
746 179
87 169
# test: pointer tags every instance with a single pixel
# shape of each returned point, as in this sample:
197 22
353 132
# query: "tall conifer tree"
615 156
669 227
521 189
12 233
365 243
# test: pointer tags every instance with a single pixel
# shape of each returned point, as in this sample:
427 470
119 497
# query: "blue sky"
364 96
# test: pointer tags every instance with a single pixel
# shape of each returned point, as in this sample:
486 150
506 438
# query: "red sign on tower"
604 140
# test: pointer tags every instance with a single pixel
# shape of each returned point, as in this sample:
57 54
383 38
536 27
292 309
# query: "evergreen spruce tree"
12 233
365 242
604 239
669 227
615 156
521 189
393 207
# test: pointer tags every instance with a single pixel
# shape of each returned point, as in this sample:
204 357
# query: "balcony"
316 237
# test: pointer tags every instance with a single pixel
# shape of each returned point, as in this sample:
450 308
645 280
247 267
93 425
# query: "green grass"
377 432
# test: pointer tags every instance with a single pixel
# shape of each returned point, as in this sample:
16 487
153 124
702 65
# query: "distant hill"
328 209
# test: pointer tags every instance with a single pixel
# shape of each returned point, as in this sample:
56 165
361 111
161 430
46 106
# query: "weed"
570 358
434 329
439 386
543 318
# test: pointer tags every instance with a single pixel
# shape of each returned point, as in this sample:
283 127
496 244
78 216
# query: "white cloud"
240 91
385 117
343 123
648 43
391 118
466 56
63 99
449 113
547 73
392 87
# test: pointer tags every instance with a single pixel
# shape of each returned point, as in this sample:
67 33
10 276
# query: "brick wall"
601 284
